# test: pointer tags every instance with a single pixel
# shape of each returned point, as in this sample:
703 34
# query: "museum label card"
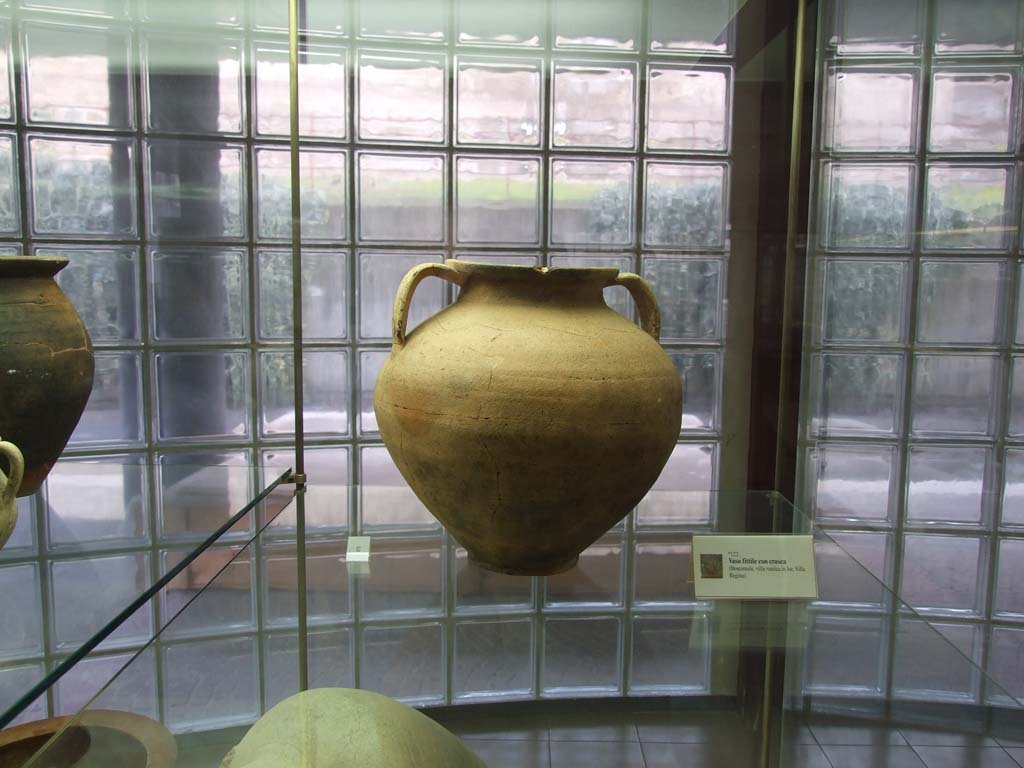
773 567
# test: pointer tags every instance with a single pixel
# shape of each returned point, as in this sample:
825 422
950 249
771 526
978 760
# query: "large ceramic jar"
528 416
46 364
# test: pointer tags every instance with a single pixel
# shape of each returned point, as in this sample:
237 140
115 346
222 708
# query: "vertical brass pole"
300 463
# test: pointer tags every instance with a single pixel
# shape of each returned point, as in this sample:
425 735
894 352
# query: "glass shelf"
507 662
109 551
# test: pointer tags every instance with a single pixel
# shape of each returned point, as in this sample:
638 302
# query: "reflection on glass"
195 694
582 655
327 494
593 106
984 26
21 638
682 494
946 484
406 578
424 20
323 188
688 108
851 568
959 302
684 205
691 26
77 75
1016 425
105 503
402 98
102 284
113 415
1013 488
1010 578
870 109
406 663
661 572
379 277
860 394
197 492
869 206
497 200
370 362
854 483
966 207
877 26
330 655
498 102
493 659
325 392
591 202
845 655
485 22
864 301
227 604
401 198
929 584
700 376
134 691
322 90
669 655
954 394
322 17
971 111
202 394
386 501
216 280
6 88
927 664
689 293
324 294
595 581
607 24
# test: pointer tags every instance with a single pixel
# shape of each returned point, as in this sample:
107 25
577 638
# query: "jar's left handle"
403 299
9 491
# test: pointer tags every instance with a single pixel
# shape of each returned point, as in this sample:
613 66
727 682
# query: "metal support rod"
300 464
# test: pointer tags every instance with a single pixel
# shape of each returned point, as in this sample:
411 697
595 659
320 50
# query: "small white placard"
771 567
358 549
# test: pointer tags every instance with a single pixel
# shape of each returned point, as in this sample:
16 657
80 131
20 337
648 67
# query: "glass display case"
615 662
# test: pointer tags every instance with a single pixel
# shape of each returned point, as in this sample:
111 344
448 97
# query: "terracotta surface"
528 416
46 364
335 727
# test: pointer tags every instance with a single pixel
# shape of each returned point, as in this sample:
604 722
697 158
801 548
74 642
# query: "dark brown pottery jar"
46 364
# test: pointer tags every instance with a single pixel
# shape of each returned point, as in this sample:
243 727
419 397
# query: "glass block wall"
913 404
147 141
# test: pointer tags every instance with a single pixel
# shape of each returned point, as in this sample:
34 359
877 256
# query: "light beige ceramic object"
9 485
344 727
528 416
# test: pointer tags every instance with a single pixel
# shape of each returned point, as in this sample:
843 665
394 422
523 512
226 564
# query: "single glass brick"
616 296
328 598
701 376
422 20
959 302
602 24
325 297
689 108
77 489
846 655
102 283
661 572
869 206
929 584
404 662
202 395
692 26
1019 335
498 101
370 362
1016 425
954 394
329 655
936 662
1013 489
379 277
854 483
497 200
860 394
197 492
200 14
402 98
593 105
985 26
1006 665
6 69
684 204
80 610
193 84
591 202
966 207
890 125
864 301
406 578
325 17
128 682
327 498
323 189
386 501
596 579
210 684
401 197
689 293
116 9
670 654
216 589
582 655
79 188
195 190
852 568
682 495
971 110
891 27
10 208
480 590
325 393
216 283
1009 582
24 541
77 75
23 637
493 660
323 84
113 415
482 22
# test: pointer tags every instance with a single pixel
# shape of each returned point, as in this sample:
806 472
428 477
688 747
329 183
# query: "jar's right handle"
403 299
646 302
